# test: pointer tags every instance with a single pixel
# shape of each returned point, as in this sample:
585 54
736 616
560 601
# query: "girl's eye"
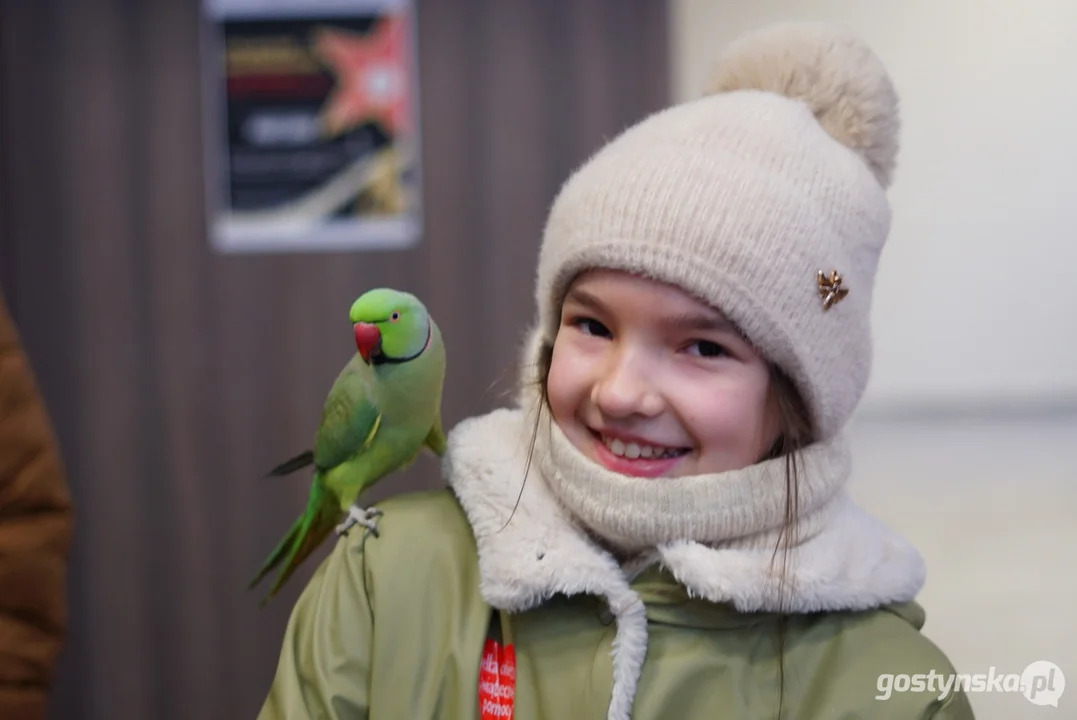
591 326
707 348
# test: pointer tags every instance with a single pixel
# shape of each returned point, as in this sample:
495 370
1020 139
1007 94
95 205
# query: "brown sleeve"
35 528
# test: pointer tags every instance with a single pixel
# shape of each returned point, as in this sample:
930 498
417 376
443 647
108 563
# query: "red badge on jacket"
497 681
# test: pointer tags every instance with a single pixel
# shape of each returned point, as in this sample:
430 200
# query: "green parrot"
383 409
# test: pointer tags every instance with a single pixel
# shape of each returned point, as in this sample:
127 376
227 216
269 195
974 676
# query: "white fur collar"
852 563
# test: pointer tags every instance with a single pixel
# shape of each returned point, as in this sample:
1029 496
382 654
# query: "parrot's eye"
394 317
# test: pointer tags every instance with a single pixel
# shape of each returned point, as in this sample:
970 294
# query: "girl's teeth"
633 451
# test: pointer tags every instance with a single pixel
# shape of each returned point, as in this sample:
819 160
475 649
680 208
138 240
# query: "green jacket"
395 627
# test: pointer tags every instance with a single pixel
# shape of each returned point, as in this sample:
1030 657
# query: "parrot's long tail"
305 536
299 462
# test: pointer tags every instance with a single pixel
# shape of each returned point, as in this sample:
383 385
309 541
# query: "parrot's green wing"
349 425
350 420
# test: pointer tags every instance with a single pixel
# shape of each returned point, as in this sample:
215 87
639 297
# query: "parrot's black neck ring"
386 360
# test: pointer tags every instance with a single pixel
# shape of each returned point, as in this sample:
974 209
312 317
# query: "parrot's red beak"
367 339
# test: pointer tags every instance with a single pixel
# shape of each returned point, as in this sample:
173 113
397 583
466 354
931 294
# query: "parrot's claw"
360 516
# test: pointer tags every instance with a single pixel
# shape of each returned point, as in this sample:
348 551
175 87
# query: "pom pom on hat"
836 74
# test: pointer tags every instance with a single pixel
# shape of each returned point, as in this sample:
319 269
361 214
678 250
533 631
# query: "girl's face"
648 381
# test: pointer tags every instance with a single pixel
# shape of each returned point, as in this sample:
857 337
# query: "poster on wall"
311 125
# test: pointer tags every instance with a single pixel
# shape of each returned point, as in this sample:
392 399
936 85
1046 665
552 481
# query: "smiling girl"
661 528
649 382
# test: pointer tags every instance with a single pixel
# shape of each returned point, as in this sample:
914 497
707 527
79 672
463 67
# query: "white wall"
976 299
990 505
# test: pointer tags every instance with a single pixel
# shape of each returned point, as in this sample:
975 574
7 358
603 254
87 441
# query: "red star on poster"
372 77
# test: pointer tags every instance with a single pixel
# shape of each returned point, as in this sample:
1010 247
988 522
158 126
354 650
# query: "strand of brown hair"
796 433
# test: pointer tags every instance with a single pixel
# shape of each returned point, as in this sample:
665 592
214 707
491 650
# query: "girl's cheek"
567 357
583 355
714 407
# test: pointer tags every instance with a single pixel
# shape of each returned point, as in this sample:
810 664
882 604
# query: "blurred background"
177 374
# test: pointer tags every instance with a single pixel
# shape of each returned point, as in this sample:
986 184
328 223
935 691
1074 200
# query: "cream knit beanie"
766 199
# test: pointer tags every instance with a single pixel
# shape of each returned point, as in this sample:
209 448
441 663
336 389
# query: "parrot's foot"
360 516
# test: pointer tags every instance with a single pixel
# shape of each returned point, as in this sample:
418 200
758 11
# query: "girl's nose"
625 387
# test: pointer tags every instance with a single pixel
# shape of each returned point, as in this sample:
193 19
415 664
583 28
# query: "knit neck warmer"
743 508
536 510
